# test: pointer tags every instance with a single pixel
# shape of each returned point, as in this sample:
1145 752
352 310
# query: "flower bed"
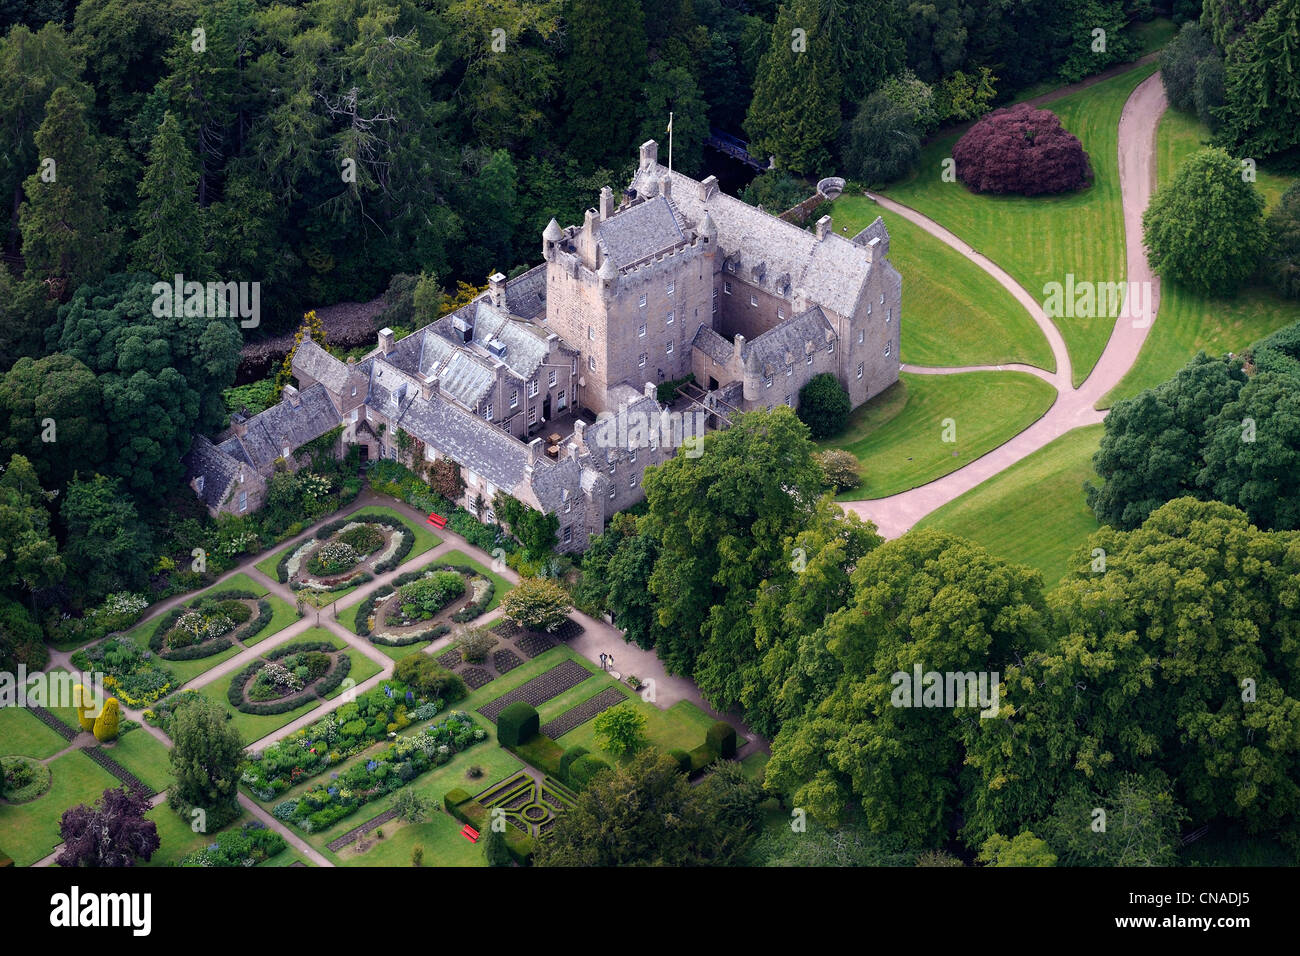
250 845
401 762
209 625
25 778
133 676
335 737
276 684
423 596
334 554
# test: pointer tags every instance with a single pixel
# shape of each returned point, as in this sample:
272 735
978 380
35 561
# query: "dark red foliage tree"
113 832
1019 149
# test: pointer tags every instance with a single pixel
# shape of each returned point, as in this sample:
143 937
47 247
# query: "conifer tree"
169 221
603 77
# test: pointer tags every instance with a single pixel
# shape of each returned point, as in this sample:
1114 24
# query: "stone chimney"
579 432
708 188
534 451
667 187
651 390
386 340
497 290
606 203
429 386
571 451
291 396
823 227
240 424
649 153
739 344
589 223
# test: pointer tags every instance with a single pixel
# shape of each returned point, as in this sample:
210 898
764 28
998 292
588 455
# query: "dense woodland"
324 148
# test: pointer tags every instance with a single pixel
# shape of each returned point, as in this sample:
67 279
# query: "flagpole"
670 143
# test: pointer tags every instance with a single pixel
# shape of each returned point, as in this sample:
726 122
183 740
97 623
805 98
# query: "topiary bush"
721 736
1021 150
585 768
517 724
570 756
683 760
106 722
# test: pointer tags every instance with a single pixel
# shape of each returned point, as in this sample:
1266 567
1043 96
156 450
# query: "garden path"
1074 407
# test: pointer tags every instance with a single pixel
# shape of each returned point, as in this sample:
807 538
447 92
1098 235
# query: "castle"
677 279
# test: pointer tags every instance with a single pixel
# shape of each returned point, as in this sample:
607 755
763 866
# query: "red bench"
469 833
437 520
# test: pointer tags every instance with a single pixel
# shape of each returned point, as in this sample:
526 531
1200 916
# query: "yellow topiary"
106 722
84 706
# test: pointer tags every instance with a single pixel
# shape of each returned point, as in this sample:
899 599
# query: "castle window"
487 411
612 466
532 388
861 333
830 346
780 313
887 351
789 400
243 501
532 413
640 330
642 302
631 481
514 398
568 503
640 362
631 456
868 308
715 295
731 267
889 314
810 358
568 534
669 348
611 489
591 363
859 370
575 365
591 333
561 400
789 369
726 287
767 383
551 380
669 320
753 299
671 287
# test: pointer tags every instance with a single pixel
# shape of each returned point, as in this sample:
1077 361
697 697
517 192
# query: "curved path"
1074 407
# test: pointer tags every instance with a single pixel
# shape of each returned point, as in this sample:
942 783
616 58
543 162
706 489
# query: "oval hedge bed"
356 538
25 778
316 687
468 613
224 603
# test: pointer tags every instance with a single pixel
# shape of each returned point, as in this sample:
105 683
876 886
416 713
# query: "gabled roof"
269 432
216 469
639 231
831 271
526 294
313 361
526 348
791 337
460 373
713 345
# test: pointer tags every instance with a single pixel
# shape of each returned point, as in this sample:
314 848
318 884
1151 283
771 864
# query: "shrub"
683 760
883 142
517 724
702 756
842 468
475 643
570 755
454 798
85 708
1021 150
585 768
537 604
824 405
422 599
721 736
106 722
363 539
543 753
430 678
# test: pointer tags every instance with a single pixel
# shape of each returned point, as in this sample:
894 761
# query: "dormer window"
286 451
198 484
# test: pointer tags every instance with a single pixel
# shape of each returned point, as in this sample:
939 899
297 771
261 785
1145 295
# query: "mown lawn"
30 831
1034 512
145 756
953 312
22 733
502 585
177 839
1189 322
898 436
1041 239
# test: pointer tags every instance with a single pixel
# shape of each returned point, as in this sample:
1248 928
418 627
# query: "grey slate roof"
551 479
216 468
526 294
713 345
460 372
831 271
603 436
315 362
270 431
525 348
639 231
791 337
476 444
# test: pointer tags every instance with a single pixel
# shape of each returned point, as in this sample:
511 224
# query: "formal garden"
420 606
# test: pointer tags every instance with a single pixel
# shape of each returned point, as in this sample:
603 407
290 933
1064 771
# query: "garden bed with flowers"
288 677
422 605
209 625
350 729
346 553
131 674
250 845
398 764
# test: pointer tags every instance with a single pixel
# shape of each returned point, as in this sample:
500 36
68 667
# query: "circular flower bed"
289 677
209 625
334 557
25 778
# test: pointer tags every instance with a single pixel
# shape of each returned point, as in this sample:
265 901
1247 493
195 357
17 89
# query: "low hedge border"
430 635
332 679
208 648
470 811
368 605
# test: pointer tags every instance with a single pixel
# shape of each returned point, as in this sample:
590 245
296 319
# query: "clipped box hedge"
721 736
519 844
517 724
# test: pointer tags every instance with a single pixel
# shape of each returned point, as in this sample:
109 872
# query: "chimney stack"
708 187
606 203
649 153
667 187
589 222
579 432
291 396
497 290
534 451
823 227
386 340
739 346
429 386
651 390
240 424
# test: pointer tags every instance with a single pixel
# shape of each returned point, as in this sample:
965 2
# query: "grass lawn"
1189 322
754 765
898 435
22 733
363 668
681 727
954 313
440 835
145 756
523 674
176 839
66 714
30 831
1033 512
1154 34
502 585
1041 239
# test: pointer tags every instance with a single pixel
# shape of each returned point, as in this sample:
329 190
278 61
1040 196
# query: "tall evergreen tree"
67 238
169 220
603 77
795 113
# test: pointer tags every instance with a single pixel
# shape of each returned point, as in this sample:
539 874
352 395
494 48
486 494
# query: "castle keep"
674 279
